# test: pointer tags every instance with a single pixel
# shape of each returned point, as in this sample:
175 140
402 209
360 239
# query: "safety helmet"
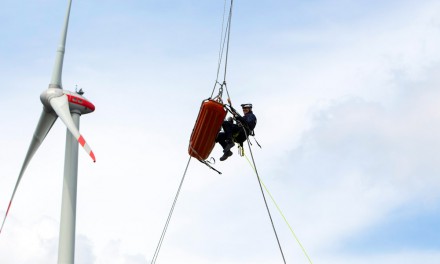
246 106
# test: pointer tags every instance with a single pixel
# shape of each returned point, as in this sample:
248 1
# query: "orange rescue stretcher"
208 124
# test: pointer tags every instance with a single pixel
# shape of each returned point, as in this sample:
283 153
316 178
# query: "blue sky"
345 92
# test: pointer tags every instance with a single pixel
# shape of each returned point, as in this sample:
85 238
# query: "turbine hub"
48 94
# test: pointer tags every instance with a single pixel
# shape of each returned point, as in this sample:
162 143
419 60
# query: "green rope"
281 213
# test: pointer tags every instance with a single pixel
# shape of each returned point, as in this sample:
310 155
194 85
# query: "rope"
229 34
224 40
159 245
265 202
220 52
281 213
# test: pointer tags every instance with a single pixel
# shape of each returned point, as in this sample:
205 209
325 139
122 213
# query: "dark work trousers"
230 129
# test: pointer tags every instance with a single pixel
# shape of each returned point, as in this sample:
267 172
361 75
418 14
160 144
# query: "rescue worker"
238 131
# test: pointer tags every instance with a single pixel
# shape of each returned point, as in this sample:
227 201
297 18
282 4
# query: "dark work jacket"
249 121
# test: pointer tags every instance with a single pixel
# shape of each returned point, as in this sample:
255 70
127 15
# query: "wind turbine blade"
44 125
58 67
61 106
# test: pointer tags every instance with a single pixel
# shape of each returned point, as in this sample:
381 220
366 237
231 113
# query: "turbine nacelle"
77 103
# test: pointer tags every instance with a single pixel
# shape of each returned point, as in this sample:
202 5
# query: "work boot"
230 144
226 155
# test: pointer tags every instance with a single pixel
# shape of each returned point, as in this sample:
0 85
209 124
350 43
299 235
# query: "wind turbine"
68 106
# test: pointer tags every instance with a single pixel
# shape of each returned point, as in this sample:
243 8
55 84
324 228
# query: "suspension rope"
220 51
227 93
264 198
224 41
228 30
281 213
159 245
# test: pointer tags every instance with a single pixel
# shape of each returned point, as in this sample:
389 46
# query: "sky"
345 92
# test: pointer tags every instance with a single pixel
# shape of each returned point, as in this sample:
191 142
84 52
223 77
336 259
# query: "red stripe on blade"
93 156
9 206
6 215
81 140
